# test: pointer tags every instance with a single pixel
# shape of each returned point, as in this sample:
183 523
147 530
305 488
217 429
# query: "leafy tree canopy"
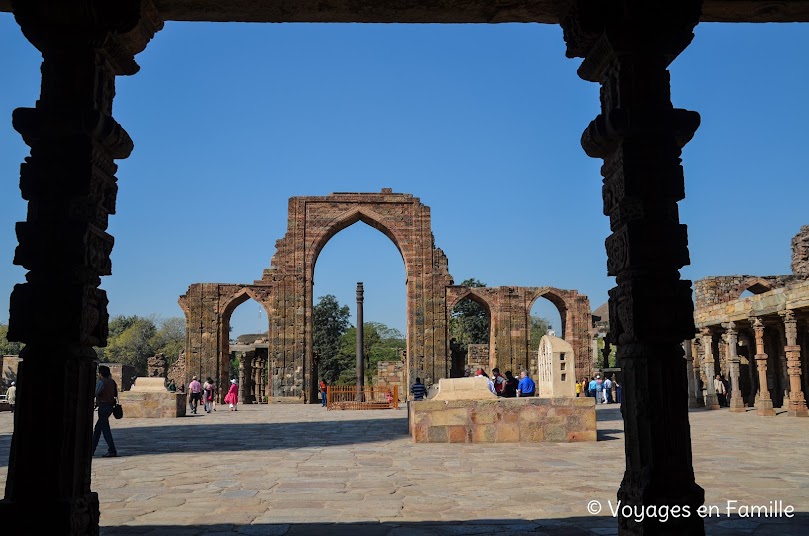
469 321
7 347
330 322
134 339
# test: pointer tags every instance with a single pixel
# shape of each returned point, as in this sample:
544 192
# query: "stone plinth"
474 388
150 385
503 420
151 404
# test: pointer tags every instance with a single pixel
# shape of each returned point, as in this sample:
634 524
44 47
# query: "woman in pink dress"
232 398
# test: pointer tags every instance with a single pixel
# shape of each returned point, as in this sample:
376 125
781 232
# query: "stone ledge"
503 420
153 405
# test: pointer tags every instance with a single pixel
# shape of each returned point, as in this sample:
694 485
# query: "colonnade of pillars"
252 378
790 370
70 186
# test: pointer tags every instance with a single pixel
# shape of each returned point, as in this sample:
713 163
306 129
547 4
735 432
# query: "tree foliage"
7 347
539 327
469 321
134 339
330 322
379 343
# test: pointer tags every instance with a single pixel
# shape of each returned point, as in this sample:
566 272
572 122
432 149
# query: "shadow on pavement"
570 526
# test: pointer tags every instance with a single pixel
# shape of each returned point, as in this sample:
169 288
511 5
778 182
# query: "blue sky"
481 122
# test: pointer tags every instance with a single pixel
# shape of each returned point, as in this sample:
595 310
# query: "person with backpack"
510 389
207 395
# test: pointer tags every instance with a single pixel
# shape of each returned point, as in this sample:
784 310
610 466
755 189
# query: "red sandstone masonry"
509 420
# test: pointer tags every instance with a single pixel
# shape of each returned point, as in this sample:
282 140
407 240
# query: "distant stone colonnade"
285 291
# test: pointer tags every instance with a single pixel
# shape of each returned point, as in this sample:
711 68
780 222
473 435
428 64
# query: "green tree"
538 328
469 321
134 339
330 322
7 347
379 343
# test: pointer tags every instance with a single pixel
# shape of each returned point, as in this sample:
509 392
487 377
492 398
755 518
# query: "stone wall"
390 373
9 365
800 253
720 289
504 420
122 374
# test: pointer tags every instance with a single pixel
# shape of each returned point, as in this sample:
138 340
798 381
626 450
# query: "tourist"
172 387
11 396
323 392
499 382
106 397
510 390
719 387
591 388
599 389
232 398
195 390
526 385
207 394
608 391
215 395
418 389
618 390
726 383
578 389
482 373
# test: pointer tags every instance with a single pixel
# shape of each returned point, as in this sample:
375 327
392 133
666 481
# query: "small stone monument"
556 369
149 397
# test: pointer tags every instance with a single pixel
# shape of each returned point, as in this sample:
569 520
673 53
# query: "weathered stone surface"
155 385
153 405
473 388
503 420
800 252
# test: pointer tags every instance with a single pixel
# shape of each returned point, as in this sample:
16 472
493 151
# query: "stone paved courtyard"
295 470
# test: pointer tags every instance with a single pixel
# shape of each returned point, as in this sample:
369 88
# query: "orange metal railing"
348 397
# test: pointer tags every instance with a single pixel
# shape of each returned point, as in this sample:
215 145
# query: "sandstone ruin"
285 291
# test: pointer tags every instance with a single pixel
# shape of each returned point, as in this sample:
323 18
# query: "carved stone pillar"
627 47
763 401
242 377
689 366
783 367
709 369
59 312
736 402
797 402
700 398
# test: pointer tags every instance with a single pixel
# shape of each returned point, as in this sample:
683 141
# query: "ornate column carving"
797 402
689 366
700 398
60 312
709 369
242 377
736 403
783 368
763 401
627 48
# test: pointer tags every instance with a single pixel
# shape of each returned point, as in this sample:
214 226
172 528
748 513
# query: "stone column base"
797 408
764 407
737 404
711 402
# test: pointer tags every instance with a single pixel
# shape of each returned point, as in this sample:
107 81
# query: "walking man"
106 395
11 396
195 389
418 389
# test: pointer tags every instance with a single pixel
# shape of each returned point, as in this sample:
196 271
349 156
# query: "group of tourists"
600 389
207 393
503 386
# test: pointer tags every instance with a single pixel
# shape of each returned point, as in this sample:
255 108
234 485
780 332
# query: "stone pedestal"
764 405
503 420
149 399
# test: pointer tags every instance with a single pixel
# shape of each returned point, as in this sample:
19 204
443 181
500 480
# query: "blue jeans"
103 427
323 398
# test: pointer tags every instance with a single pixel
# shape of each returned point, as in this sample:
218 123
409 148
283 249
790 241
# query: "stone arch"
574 310
484 296
756 285
312 222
